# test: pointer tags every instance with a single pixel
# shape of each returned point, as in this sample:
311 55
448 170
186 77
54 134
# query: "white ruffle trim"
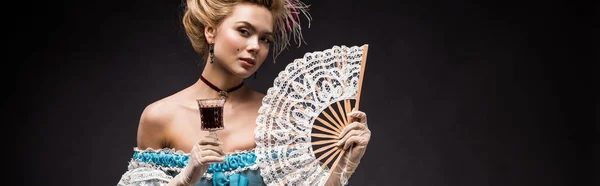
208 176
144 176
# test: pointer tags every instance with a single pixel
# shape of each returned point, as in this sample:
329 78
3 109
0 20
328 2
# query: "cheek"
232 42
264 52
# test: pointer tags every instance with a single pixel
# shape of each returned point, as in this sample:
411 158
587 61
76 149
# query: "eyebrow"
252 27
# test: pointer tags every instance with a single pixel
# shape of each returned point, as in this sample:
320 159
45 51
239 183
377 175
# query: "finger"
209 141
210 153
213 159
357 116
351 141
196 149
352 126
350 134
354 140
196 154
217 150
214 137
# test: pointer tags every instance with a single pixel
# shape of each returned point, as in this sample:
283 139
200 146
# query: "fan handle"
363 64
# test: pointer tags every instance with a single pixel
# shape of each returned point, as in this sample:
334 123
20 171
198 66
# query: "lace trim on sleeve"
142 175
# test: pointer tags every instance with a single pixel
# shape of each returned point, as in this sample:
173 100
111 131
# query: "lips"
249 61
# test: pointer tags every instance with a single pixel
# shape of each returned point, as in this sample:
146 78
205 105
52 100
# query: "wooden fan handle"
336 151
347 107
337 160
328 125
342 113
323 129
363 64
337 118
325 155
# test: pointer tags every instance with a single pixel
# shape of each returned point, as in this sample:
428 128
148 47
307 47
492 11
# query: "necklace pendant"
223 94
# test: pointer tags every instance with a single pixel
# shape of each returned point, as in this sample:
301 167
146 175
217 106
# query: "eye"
244 32
266 40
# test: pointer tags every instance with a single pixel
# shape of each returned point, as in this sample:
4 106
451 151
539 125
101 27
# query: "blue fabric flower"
211 169
233 162
184 160
146 158
170 160
161 159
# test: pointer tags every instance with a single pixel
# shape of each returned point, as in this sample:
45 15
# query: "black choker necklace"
222 93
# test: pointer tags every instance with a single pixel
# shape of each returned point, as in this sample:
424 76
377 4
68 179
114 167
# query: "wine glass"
211 115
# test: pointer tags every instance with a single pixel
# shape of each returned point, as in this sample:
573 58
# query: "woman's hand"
355 136
205 152
354 140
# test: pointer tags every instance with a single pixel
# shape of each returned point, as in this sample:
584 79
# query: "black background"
457 93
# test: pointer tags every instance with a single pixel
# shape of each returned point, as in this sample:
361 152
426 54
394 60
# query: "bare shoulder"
155 114
154 120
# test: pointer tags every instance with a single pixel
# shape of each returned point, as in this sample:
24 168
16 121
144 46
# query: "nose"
253 46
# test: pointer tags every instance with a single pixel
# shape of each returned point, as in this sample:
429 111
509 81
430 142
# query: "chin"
243 73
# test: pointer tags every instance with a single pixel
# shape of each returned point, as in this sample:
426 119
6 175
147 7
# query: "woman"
235 38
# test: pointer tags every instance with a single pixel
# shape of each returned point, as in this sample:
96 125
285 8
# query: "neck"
221 78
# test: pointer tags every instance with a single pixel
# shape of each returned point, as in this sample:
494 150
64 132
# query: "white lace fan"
303 113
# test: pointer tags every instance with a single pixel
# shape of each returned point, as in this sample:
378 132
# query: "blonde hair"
201 13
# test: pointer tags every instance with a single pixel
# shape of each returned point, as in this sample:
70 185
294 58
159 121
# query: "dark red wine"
212 118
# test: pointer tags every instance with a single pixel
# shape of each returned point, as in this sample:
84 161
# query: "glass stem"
213 133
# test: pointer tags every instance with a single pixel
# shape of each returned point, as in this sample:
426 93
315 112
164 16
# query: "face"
241 42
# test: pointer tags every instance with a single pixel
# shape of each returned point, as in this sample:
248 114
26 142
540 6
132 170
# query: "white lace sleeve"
144 174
